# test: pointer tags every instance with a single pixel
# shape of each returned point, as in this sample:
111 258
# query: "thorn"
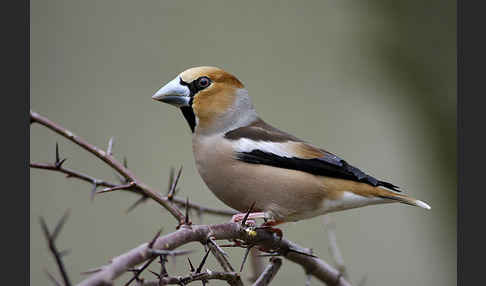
303 253
136 203
93 191
125 162
116 188
186 218
243 222
151 244
109 150
139 271
45 230
57 152
91 271
154 273
171 178
172 189
60 224
211 240
58 163
163 270
199 268
190 264
248 249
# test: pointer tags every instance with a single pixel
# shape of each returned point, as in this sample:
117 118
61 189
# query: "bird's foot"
249 218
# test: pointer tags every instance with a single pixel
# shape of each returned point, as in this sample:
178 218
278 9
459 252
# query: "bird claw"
249 217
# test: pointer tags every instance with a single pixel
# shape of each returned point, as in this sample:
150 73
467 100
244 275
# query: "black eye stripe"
194 86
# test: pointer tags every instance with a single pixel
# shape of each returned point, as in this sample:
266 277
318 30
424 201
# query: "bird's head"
211 99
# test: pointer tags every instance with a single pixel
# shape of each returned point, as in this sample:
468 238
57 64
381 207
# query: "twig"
110 160
109 150
269 272
248 249
187 221
227 231
205 234
203 261
139 271
333 246
136 203
172 189
207 275
51 240
77 175
221 257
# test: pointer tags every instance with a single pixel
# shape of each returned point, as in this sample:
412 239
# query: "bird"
249 164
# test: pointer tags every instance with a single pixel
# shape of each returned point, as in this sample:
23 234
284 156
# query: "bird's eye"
203 82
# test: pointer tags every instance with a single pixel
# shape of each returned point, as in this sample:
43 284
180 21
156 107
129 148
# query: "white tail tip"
422 205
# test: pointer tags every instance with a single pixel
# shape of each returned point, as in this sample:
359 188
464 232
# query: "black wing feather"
330 165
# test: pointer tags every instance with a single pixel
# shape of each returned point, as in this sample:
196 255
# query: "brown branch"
186 233
229 277
219 254
110 160
269 272
227 231
98 182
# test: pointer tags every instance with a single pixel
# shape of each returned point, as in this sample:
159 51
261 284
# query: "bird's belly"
282 193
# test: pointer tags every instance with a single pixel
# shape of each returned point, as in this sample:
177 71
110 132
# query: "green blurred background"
372 81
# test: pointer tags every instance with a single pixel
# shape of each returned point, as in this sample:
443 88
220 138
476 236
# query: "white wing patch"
282 149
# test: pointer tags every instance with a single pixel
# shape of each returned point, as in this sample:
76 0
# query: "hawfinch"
245 161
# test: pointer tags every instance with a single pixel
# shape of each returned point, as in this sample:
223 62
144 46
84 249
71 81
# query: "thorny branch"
51 240
269 272
100 183
117 166
201 233
163 246
203 276
111 161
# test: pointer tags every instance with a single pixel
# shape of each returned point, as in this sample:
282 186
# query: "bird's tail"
404 199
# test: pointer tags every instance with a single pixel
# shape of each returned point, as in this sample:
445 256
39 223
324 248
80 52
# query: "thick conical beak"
174 93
